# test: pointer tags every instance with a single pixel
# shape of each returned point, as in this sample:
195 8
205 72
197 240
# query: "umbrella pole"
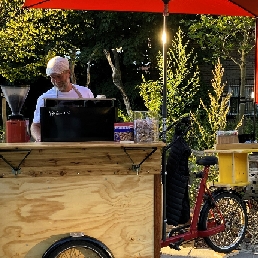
256 63
164 105
164 117
255 76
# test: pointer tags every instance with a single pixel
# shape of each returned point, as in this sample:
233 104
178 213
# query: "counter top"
69 145
234 148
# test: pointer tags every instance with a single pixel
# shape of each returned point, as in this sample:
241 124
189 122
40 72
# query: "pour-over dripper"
15 97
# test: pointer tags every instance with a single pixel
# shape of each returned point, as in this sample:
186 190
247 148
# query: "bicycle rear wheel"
234 213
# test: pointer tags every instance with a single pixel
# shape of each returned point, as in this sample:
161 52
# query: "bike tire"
234 212
78 249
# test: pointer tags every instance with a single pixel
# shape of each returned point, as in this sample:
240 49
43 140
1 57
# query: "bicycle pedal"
176 245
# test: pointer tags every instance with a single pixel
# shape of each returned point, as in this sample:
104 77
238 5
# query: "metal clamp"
137 167
15 170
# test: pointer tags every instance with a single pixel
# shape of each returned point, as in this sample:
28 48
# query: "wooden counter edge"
231 151
81 145
233 146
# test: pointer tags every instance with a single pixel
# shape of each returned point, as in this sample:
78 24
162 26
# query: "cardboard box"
226 139
123 132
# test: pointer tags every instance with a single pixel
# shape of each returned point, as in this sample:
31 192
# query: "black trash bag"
177 196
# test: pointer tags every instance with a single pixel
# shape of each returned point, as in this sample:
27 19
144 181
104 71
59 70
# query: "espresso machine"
16 125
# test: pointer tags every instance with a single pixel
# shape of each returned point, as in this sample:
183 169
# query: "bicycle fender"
219 191
76 238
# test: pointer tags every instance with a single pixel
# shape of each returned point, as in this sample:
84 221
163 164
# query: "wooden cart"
109 191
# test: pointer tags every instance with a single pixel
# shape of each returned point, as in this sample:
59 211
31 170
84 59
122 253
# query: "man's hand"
35 132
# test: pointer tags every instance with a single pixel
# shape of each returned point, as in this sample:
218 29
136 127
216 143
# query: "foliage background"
29 37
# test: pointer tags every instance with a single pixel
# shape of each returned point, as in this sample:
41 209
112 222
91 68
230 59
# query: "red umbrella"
220 7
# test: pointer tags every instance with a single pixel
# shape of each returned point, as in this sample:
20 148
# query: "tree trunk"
72 65
88 74
116 75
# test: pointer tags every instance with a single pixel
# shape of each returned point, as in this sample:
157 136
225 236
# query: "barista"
59 72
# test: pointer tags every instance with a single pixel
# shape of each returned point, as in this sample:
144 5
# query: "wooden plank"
231 151
77 145
117 210
65 159
76 154
236 146
73 162
74 171
157 215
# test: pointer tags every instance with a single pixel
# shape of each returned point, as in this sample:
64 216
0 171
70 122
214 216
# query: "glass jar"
146 126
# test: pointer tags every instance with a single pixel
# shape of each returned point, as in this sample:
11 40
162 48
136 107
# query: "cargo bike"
219 215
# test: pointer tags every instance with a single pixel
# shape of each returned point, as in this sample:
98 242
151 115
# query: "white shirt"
55 93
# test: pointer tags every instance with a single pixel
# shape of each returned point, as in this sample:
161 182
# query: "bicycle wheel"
78 249
234 213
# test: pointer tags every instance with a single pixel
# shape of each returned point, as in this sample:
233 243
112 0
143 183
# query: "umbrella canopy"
219 7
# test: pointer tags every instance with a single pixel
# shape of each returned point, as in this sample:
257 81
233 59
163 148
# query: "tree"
228 37
30 37
116 75
212 118
182 81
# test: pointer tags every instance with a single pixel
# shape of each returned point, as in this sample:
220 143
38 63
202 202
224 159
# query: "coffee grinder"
16 127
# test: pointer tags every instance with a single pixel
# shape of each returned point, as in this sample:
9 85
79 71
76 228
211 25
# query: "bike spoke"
78 252
235 225
231 211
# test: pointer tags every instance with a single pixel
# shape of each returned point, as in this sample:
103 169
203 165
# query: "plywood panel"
79 161
241 168
225 168
117 210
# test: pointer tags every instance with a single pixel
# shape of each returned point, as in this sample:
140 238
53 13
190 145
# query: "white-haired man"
59 72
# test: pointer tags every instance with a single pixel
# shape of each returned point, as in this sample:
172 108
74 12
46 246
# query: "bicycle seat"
207 161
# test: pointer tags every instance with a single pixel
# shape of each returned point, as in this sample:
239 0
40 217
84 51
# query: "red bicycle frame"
212 227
